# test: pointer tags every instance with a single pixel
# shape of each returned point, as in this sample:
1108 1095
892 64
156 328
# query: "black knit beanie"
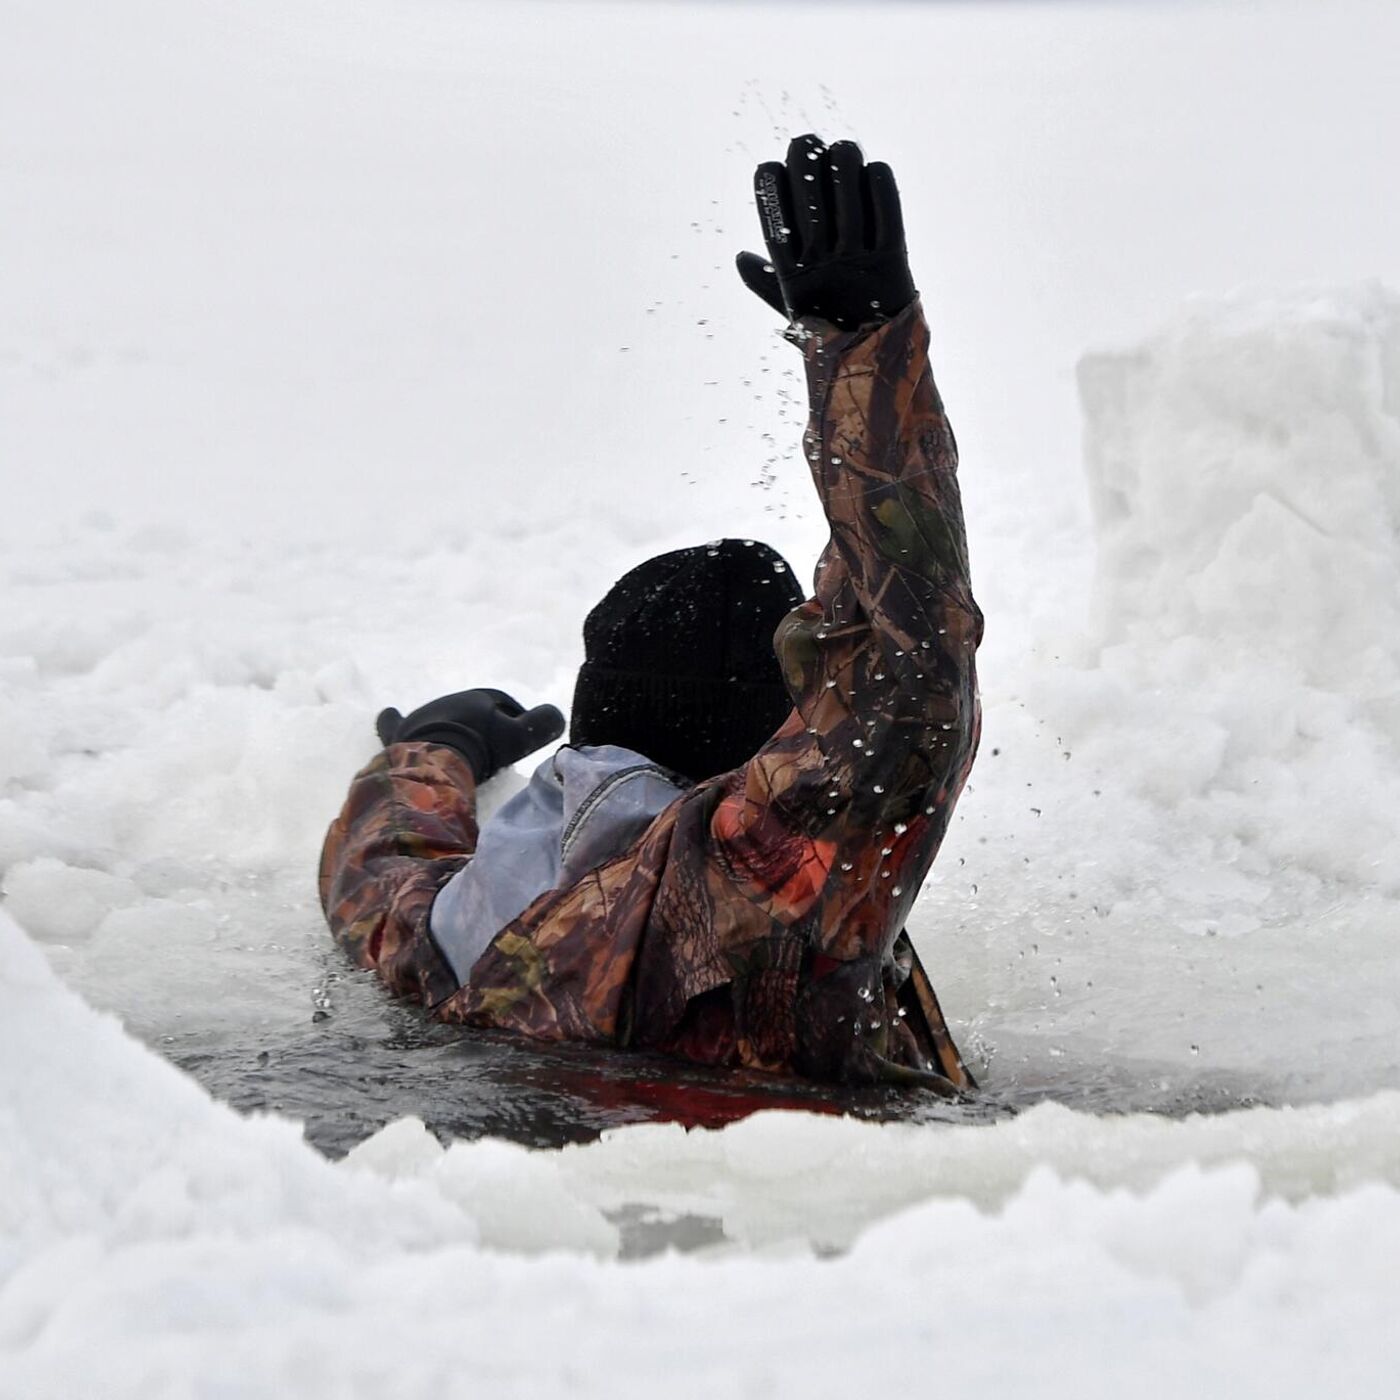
678 658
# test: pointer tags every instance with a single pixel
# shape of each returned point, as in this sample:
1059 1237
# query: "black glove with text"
835 236
487 727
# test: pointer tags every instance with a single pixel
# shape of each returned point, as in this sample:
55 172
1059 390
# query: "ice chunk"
1244 467
62 903
399 1149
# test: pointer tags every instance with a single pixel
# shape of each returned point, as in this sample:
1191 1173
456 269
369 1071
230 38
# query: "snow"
154 1242
347 353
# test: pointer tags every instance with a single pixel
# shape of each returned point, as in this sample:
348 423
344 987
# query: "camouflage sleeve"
834 825
755 922
408 824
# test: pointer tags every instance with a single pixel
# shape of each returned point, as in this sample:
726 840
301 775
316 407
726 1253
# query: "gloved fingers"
809 187
508 705
775 216
884 200
533 730
544 724
387 725
761 278
848 198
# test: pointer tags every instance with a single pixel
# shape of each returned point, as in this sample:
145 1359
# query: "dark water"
358 1060
345 1087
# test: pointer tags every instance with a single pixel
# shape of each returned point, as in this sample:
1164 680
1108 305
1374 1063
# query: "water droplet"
866 994
846 865
879 787
900 828
897 891
858 743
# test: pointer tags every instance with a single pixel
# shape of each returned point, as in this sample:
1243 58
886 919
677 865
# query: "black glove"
835 236
488 728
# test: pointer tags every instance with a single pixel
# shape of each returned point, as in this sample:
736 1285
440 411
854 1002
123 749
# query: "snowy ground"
348 351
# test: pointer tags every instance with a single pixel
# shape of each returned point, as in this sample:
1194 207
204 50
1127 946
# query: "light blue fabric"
581 807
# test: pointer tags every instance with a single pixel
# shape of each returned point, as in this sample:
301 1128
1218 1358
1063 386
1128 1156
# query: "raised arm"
839 819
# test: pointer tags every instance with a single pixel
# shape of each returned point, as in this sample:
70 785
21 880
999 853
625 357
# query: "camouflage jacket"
758 920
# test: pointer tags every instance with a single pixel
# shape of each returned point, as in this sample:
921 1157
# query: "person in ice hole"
720 863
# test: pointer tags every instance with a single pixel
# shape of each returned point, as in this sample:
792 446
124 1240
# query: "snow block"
1244 471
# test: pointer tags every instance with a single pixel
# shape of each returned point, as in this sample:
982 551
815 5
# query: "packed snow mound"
1244 471
187 1251
100 1136
784 1179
